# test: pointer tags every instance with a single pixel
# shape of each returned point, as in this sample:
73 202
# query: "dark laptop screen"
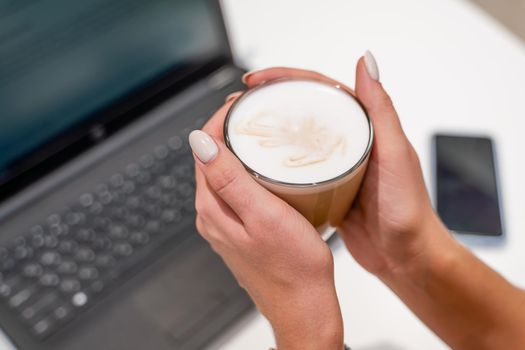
62 61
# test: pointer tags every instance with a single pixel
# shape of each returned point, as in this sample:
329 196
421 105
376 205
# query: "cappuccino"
306 141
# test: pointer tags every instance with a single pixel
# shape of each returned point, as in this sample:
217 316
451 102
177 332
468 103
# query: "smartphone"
467 194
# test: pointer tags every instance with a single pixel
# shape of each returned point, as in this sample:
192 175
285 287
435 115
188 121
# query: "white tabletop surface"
448 67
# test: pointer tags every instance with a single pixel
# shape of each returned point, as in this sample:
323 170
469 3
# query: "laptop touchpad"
185 293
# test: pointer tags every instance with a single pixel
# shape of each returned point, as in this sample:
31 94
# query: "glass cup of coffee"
307 141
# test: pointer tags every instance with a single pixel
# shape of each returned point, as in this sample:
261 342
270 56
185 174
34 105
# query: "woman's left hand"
274 252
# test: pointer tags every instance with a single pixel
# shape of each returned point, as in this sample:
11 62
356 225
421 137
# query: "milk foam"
299 131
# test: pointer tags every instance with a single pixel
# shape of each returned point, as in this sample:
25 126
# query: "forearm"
461 299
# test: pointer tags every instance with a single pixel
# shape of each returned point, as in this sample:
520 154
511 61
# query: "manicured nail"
245 77
233 95
203 145
371 66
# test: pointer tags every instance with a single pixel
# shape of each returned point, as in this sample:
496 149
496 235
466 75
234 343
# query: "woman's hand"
385 229
393 232
392 228
274 253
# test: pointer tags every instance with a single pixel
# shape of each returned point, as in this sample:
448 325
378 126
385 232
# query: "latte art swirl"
314 142
297 131
306 141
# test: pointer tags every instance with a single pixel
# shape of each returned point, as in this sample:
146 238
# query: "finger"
229 256
201 228
208 233
252 79
215 212
233 96
376 101
230 181
214 126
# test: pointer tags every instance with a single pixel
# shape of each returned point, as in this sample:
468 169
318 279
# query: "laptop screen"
62 62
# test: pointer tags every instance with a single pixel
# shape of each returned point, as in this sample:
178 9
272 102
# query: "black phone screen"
467 195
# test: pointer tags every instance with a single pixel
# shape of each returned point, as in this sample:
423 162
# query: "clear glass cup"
324 204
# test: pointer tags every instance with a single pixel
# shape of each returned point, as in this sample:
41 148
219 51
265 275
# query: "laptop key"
32 270
161 152
37 230
70 285
49 279
5 290
118 232
42 327
31 311
50 241
116 180
171 216
62 312
79 299
143 178
67 267
68 246
84 234
135 220
139 238
74 218
50 257
101 243
10 285
87 273
123 249
23 252
37 240
146 161
105 261
132 170
175 143
153 226
54 219
86 199
59 230
21 297
85 255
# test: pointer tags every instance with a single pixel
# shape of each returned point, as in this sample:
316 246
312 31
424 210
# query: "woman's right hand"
393 232
392 228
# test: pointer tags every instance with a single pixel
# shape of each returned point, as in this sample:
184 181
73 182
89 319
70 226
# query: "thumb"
377 103
229 179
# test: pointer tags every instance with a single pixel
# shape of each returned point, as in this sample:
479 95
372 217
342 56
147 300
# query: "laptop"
98 248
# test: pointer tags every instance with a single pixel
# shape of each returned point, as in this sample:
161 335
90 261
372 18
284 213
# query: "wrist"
311 319
437 253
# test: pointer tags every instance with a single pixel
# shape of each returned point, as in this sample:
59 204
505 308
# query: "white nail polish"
247 75
203 145
371 65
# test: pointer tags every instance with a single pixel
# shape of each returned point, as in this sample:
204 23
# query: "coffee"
306 141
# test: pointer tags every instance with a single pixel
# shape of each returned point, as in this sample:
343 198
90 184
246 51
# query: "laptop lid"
74 72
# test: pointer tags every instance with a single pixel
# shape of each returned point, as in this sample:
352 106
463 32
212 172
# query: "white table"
448 67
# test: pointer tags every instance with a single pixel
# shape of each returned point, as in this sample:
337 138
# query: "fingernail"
245 76
203 145
371 66
233 95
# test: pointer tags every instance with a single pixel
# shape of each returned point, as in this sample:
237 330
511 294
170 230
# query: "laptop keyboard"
60 267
